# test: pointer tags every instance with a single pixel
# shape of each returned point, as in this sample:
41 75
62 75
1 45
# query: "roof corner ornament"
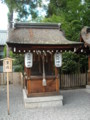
75 49
14 49
81 50
59 24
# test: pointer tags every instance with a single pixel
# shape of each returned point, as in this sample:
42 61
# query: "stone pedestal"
88 88
47 101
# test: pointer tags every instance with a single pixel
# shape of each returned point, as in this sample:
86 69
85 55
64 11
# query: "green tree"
24 8
18 62
74 63
73 15
70 61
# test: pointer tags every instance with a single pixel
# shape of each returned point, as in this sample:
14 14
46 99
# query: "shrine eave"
39 36
21 48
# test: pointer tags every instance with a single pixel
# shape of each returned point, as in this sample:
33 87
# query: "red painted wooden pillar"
88 70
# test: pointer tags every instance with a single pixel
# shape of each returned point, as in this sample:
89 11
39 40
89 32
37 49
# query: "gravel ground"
76 106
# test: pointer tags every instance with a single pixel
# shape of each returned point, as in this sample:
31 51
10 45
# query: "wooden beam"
57 79
44 88
28 86
43 94
8 92
39 57
88 62
31 47
88 70
28 73
52 62
28 80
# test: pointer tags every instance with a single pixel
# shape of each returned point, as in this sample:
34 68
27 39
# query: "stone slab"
47 101
88 88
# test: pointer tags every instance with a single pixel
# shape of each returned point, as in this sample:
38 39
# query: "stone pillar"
88 70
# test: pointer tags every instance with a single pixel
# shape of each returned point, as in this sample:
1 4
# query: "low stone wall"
15 78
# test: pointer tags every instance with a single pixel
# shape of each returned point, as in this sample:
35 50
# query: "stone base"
47 101
88 88
88 83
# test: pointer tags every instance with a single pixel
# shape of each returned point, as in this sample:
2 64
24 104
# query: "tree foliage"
24 8
74 63
73 15
18 62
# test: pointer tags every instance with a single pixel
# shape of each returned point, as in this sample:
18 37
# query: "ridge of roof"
37 25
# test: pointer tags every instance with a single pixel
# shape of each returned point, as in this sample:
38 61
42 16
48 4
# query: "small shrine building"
44 42
85 38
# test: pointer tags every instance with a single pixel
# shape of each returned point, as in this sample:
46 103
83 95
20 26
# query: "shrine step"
47 101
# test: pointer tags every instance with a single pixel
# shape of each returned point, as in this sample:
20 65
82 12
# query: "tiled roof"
3 37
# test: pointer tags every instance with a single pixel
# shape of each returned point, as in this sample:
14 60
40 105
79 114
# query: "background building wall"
3 38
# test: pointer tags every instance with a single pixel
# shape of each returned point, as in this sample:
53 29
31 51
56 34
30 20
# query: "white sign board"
58 59
28 60
7 65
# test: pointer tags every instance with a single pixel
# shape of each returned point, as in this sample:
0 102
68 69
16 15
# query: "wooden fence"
68 81
14 78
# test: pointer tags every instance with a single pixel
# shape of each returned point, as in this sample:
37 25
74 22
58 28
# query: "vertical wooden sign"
7 67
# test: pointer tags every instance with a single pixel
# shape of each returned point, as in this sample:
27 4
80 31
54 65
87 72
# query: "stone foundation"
47 101
88 88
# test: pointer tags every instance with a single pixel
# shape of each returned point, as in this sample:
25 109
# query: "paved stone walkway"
76 106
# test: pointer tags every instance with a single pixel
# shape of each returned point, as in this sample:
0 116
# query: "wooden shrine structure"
85 38
43 41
